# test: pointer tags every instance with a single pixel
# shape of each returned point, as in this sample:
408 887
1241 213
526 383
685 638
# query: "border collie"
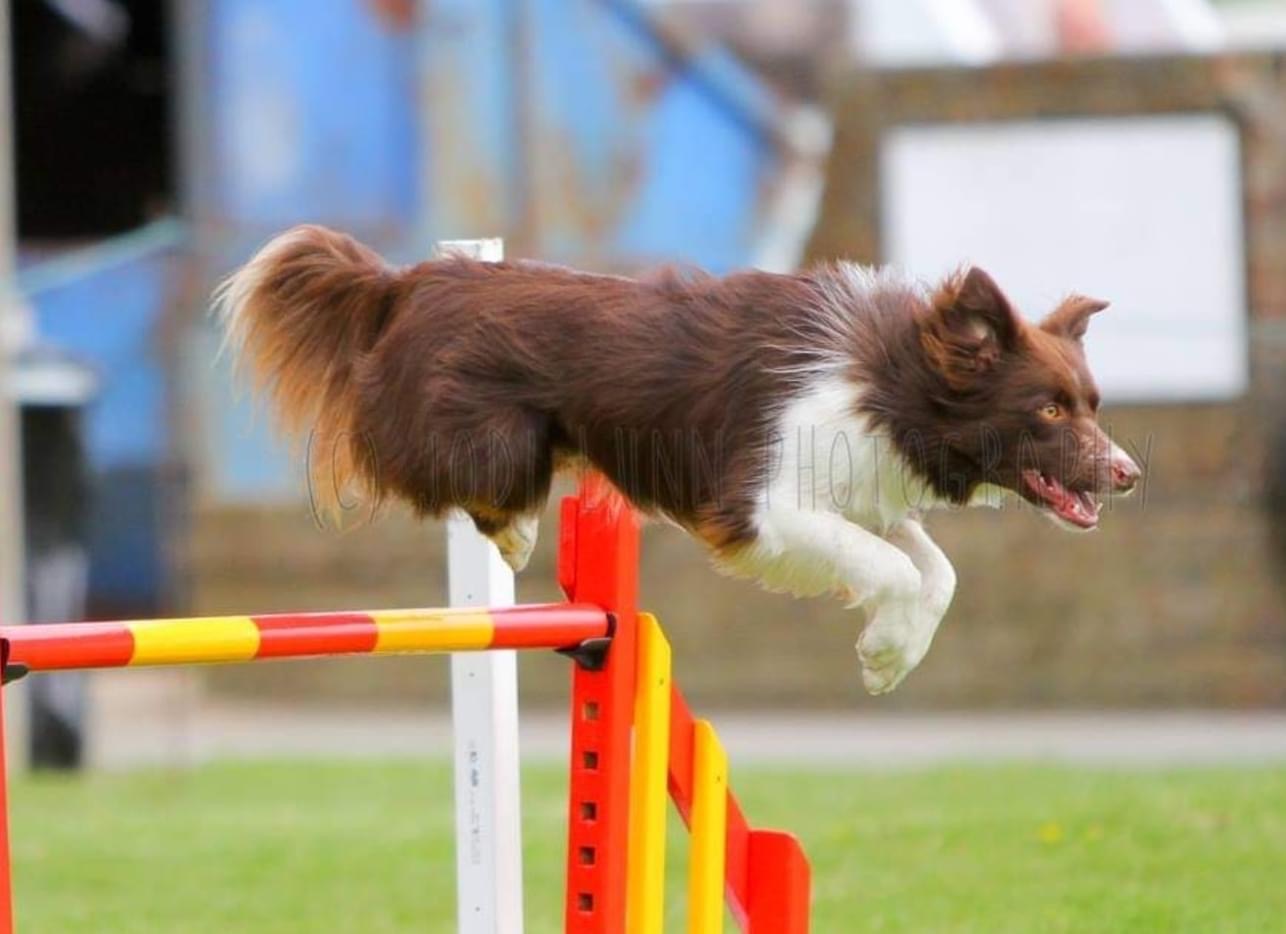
798 425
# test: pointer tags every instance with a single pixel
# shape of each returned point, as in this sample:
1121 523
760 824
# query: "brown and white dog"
799 425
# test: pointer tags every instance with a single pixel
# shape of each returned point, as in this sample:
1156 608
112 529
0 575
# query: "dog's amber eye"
1051 411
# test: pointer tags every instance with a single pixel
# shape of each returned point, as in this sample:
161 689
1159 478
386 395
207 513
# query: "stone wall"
1172 602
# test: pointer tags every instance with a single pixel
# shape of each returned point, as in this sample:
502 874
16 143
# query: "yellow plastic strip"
645 884
438 631
709 831
186 641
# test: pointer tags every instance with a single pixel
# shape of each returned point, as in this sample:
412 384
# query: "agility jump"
633 737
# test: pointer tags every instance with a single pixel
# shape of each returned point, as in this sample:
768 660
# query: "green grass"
367 848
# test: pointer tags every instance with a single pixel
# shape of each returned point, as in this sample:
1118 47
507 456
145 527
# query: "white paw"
927 621
884 665
888 650
516 541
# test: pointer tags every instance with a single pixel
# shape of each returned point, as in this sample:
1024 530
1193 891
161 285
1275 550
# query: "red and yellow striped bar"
709 829
645 885
223 639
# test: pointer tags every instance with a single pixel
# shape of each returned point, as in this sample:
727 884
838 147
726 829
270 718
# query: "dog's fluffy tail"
300 316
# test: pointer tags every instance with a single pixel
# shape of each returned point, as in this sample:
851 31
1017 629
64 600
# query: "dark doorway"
93 85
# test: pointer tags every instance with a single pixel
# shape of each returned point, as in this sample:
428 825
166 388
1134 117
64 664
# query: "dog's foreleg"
937 581
809 551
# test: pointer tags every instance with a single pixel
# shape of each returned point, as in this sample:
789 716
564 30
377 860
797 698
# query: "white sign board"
1143 211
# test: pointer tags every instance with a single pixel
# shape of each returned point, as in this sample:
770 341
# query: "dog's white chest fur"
829 458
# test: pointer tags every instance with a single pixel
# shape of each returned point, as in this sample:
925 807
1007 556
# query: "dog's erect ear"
1072 316
971 326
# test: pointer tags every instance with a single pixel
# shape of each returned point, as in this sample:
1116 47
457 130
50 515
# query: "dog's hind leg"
517 540
509 475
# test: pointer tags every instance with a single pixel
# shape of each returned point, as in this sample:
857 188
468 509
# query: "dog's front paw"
888 654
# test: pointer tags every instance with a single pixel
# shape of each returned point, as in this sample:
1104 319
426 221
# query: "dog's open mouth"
1078 508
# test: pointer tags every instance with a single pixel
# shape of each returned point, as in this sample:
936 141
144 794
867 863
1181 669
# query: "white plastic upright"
484 705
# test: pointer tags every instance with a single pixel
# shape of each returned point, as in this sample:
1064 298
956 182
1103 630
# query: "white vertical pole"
12 578
484 705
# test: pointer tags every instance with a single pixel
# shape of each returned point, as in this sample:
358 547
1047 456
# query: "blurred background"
1129 149
1095 742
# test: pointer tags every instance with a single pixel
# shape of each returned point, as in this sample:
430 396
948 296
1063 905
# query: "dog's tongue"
1077 508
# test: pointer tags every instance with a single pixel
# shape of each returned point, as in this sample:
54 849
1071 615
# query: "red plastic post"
599 565
779 883
6 878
